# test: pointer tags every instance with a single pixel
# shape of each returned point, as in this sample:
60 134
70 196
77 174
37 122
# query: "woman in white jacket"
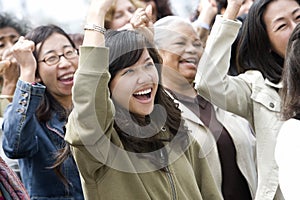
253 94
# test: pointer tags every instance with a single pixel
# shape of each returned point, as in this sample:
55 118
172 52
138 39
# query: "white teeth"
191 61
67 76
143 92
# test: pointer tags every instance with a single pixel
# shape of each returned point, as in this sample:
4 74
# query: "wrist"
201 24
231 11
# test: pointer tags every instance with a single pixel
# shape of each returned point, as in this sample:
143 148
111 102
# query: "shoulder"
252 76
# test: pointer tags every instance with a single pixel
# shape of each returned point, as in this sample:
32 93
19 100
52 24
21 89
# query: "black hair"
254 48
49 104
290 92
124 54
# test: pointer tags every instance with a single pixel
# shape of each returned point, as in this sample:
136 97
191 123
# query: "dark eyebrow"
297 9
148 58
281 18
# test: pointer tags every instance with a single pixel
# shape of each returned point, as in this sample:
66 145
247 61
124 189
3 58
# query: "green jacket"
108 171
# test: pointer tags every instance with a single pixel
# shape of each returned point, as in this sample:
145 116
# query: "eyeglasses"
69 53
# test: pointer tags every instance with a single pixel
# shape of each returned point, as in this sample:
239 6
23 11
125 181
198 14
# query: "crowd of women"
145 105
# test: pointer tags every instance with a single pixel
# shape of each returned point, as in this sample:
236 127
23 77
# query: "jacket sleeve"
227 92
90 125
20 123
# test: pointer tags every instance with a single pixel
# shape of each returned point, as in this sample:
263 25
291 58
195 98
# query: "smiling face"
281 17
182 50
58 78
134 87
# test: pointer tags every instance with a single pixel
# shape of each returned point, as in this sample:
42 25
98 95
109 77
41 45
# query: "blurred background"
70 14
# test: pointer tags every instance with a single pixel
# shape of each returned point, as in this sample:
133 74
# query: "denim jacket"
35 144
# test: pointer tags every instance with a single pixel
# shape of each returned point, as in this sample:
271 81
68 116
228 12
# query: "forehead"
123 5
280 9
8 31
55 42
179 30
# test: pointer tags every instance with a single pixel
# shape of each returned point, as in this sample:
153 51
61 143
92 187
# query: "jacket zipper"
171 183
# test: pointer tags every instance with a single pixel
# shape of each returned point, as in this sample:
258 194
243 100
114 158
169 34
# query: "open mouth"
189 61
66 78
143 94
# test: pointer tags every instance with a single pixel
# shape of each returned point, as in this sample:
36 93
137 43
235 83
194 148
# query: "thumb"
148 11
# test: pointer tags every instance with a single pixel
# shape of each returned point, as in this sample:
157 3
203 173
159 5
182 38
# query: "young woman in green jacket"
126 134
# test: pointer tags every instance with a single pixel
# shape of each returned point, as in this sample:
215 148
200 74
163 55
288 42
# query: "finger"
148 11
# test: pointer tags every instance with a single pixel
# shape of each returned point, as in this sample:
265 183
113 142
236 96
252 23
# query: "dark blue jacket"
35 144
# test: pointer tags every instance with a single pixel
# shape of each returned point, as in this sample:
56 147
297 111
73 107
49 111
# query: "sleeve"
212 82
20 123
90 125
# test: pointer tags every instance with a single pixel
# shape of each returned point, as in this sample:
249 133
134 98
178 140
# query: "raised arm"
19 119
230 93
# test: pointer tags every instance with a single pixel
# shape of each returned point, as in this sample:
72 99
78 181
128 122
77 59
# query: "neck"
65 101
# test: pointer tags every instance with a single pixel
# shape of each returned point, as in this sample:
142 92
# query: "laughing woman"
126 133
34 123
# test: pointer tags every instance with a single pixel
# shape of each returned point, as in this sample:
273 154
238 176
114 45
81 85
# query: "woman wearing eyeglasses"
34 123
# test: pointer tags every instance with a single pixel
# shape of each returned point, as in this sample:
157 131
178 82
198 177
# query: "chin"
144 112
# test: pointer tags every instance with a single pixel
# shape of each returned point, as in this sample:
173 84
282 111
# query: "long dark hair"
290 93
254 48
124 54
49 105
163 8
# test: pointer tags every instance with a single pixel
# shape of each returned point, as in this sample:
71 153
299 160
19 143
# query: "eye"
280 27
51 59
197 44
14 41
131 9
179 43
149 65
69 53
118 15
127 71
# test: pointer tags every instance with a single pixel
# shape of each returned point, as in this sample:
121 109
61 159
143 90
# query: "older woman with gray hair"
227 140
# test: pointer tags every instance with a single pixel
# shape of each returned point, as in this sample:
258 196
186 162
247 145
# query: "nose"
294 24
64 62
143 76
192 49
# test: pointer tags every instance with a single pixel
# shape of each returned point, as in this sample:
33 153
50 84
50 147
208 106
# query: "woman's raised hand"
232 9
23 53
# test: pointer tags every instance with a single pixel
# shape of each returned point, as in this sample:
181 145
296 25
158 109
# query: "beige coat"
241 134
248 95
